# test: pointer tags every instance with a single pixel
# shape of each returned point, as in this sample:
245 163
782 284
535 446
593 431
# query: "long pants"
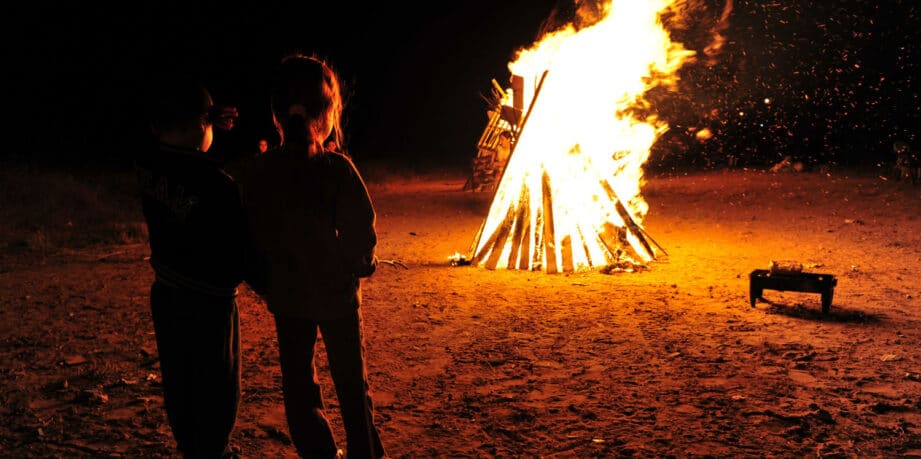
198 340
307 423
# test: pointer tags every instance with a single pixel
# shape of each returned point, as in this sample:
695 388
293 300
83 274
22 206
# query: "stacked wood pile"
497 141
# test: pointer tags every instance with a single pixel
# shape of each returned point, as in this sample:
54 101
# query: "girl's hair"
305 95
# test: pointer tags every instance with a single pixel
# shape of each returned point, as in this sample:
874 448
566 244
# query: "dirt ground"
672 361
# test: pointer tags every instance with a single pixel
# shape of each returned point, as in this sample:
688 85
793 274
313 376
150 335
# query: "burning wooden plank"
496 241
549 234
521 237
566 253
628 220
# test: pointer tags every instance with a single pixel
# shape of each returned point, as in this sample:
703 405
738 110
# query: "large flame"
569 198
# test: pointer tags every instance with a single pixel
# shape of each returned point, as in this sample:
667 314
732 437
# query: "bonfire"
569 197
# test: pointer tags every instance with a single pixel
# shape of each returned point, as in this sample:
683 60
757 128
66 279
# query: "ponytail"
295 131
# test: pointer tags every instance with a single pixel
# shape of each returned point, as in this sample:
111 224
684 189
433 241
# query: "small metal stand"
763 279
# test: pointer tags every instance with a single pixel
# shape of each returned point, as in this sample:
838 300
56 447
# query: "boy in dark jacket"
198 247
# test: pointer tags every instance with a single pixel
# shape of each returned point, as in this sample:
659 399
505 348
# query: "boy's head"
179 112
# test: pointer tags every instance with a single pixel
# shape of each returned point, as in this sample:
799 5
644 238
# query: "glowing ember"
569 198
704 134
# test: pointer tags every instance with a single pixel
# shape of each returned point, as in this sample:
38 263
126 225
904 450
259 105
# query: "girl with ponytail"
313 224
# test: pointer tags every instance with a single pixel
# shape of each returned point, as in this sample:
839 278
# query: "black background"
840 77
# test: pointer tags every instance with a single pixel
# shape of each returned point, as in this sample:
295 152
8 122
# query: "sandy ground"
467 362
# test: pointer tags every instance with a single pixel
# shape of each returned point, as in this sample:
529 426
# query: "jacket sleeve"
355 219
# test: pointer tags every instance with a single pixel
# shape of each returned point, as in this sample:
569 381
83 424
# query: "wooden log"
515 241
634 228
628 220
588 253
611 237
549 236
501 239
477 257
566 253
524 260
491 128
537 255
520 249
499 91
494 239
518 91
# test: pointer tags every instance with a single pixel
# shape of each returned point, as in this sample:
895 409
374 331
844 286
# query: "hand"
224 117
366 267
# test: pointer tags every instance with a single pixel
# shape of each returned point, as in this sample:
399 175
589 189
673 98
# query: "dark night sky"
840 76
414 77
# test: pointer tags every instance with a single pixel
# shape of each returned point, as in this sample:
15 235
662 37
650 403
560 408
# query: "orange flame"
569 198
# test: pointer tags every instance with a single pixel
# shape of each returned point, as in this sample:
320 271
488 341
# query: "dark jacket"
312 219
197 229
